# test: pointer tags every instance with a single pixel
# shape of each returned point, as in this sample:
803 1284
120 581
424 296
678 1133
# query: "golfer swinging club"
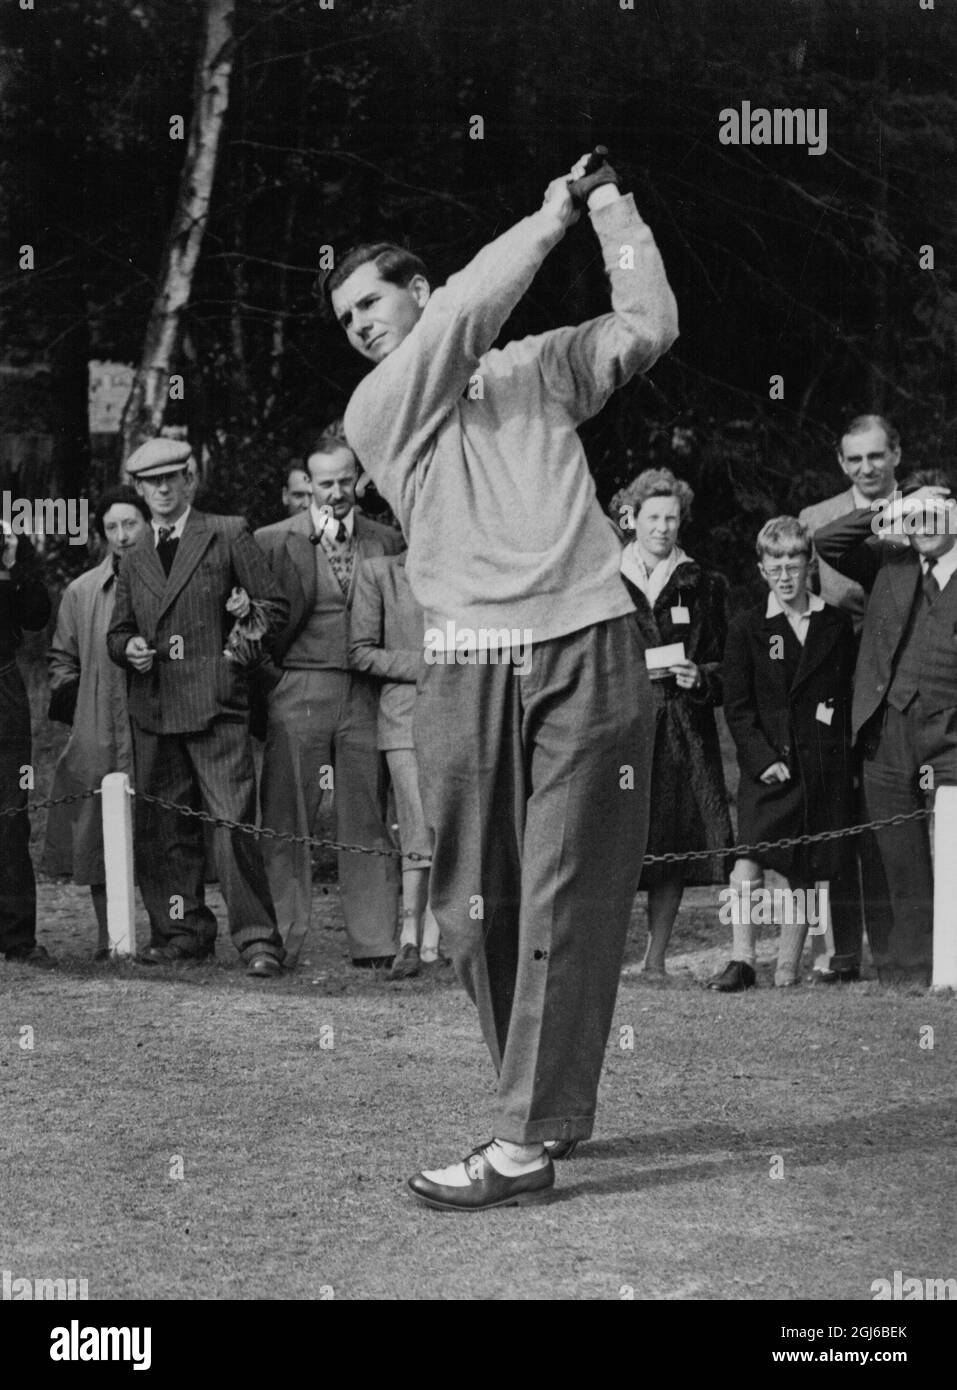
534 770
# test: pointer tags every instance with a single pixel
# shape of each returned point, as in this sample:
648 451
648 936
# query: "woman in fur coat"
677 600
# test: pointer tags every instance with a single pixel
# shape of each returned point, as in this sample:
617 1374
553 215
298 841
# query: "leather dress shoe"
172 954
835 977
37 956
406 963
558 1149
487 1187
735 976
372 962
264 966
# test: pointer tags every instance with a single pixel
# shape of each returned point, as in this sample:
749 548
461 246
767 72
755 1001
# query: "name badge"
825 713
680 614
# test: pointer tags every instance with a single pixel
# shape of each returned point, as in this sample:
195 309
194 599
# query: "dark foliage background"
354 122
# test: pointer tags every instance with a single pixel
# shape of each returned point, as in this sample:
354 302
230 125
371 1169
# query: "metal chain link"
277 834
749 851
50 801
672 857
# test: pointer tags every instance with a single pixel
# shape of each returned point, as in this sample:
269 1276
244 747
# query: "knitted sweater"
477 451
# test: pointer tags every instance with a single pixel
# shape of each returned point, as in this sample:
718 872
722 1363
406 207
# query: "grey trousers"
535 787
909 743
327 719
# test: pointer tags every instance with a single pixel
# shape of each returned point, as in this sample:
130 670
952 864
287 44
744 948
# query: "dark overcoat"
792 704
689 801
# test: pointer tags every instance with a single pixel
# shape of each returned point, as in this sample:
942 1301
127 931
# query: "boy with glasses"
787 697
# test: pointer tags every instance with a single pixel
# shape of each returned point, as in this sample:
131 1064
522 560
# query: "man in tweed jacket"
189 711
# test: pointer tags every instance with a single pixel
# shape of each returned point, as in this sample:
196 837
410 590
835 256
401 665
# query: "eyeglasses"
779 571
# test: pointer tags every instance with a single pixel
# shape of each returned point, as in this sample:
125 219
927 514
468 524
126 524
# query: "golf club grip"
596 159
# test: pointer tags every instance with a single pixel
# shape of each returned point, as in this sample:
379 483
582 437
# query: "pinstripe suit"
190 714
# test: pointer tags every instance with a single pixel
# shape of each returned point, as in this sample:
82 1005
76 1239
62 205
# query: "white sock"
456 1176
506 1161
743 930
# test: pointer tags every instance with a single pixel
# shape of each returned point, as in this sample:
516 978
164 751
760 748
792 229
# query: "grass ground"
296 1109
188 1133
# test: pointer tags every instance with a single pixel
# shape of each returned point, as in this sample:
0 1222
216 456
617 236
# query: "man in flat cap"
189 712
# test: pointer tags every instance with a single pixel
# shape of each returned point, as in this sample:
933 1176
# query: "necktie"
116 564
931 587
342 533
166 547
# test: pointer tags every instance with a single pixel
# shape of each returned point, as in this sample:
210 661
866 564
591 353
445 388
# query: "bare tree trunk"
146 406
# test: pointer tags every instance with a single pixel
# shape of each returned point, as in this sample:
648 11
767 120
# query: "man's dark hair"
924 477
394 263
859 423
117 496
332 437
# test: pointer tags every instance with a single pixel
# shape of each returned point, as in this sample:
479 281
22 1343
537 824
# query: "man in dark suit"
24 604
905 690
321 730
868 454
189 711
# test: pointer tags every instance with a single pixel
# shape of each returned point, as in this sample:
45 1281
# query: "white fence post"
118 855
945 889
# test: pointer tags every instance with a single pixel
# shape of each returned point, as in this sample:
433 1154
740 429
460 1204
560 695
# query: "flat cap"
158 456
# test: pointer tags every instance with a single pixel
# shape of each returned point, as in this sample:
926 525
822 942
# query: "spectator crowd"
192 635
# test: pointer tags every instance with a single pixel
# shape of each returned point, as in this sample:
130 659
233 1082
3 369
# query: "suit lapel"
903 579
945 606
772 638
302 556
147 564
822 633
196 538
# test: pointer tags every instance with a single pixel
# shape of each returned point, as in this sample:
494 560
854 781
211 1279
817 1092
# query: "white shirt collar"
870 502
815 604
326 525
944 568
650 584
177 527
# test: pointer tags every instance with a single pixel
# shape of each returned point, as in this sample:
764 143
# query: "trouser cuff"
518 1131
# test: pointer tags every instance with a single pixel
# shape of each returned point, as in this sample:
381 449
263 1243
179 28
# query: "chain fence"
314 842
